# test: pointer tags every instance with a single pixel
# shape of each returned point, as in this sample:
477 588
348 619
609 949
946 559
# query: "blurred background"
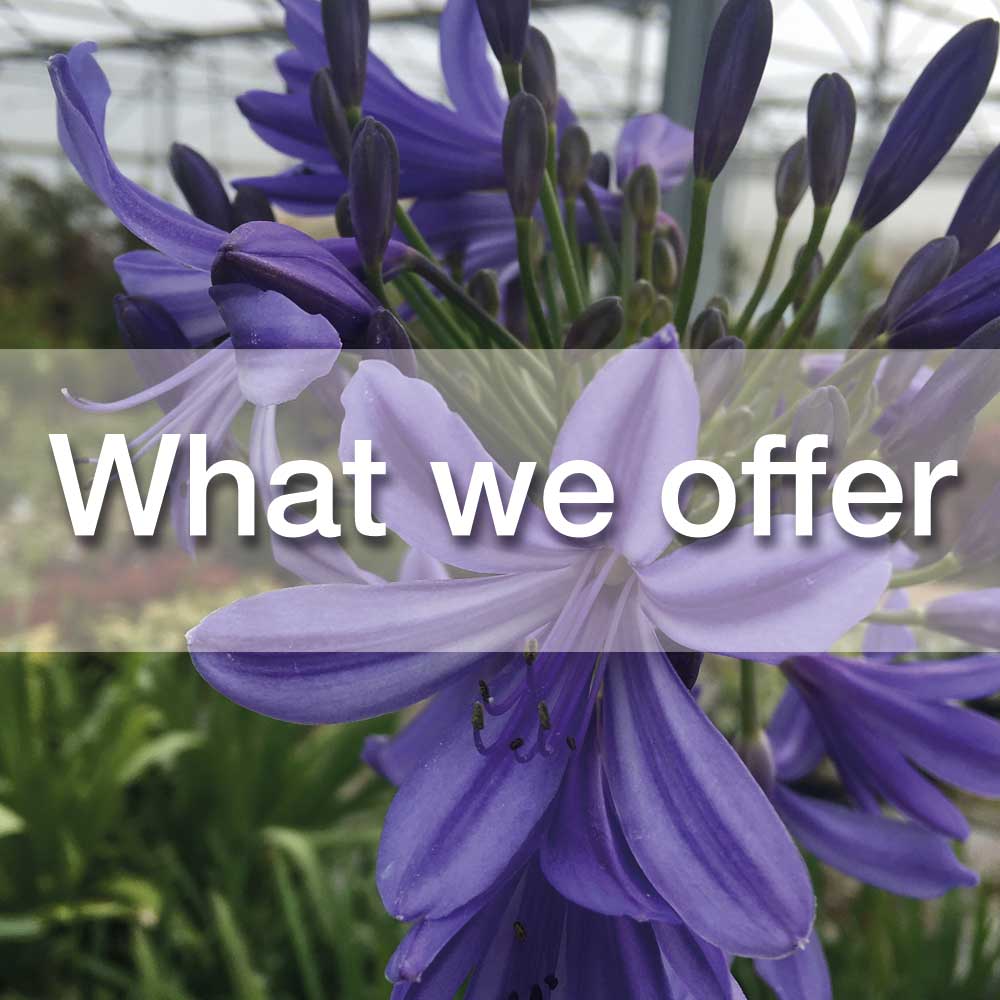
159 843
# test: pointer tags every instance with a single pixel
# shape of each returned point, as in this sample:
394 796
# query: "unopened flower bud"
973 617
251 205
331 118
484 290
823 411
871 326
597 326
832 117
342 217
759 759
600 169
977 219
665 270
539 70
718 372
374 189
525 146
792 179
345 28
708 327
924 271
663 312
639 303
201 185
734 65
642 190
506 25
927 123
721 303
574 161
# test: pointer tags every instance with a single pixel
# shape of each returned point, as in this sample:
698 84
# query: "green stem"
749 719
912 617
561 249
821 215
848 241
512 79
646 254
412 234
573 236
607 241
377 285
432 313
947 566
629 236
539 324
696 249
780 228
551 299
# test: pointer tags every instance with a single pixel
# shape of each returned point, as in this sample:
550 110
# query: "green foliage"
158 842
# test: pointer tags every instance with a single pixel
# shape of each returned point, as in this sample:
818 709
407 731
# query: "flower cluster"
570 821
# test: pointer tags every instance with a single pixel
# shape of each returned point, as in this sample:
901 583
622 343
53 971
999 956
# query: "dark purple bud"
833 114
539 72
927 123
871 326
573 166
597 326
642 191
956 308
484 290
525 147
979 541
251 205
345 27
708 327
791 180
665 270
737 55
506 25
330 116
973 617
374 189
718 371
202 186
924 271
155 343
977 219
600 169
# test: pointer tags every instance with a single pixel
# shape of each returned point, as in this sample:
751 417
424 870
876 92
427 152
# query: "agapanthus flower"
312 655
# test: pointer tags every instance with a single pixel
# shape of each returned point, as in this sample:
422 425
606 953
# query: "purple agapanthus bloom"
709 845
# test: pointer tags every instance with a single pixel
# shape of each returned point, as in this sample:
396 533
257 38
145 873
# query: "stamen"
484 690
544 719
513 996
478 720
536 992
516 744
571 742
531 651
520 931
551 981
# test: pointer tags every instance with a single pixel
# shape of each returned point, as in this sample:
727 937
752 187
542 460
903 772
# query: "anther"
516 744
531 651
478 721
536 992
520 931
484 690
513 996
544 719
571 742
551 981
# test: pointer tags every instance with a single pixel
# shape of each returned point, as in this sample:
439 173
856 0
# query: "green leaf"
10 822
20 927
159 752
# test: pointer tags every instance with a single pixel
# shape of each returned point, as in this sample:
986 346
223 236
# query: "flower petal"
655 140
701 967
468 72
700 826
802 976
739 592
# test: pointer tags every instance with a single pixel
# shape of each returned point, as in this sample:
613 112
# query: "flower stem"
911 617
848 241
607 241
947 566
412 234
696 249
821 216
561 248
646 254
539 324
629 236
749 718
780 228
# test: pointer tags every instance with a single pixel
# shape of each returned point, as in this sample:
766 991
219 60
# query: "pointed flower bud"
718 373
374 189
737 55
643 193
329 115
345 28
484 290
201 185
251 205
639 303
791 180
539 69
342 216
574 161
708 327
928 122
506 25
600 169
823 411
597 326
833 114
977 219
973 617
979 541
954 309
662 314
525 147
665 270
924 271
